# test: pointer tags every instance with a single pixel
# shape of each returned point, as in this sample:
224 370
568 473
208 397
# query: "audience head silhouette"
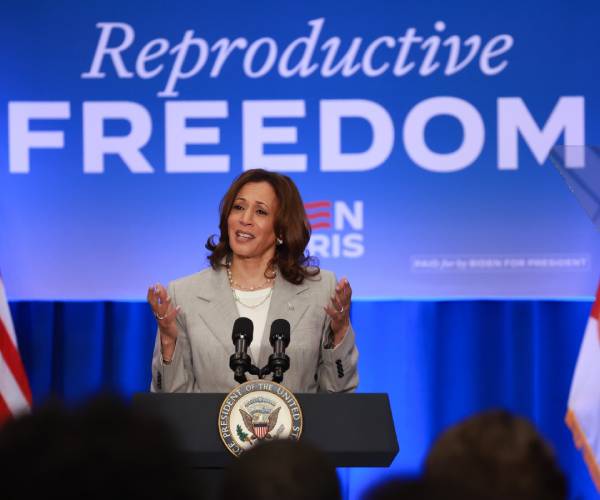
495 456
282 469
102 450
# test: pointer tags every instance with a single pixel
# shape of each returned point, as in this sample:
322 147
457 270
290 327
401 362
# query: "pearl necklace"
233 284
252 306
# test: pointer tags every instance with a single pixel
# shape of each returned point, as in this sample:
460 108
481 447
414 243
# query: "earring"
279 241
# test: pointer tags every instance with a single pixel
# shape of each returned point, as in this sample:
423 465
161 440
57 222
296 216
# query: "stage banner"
419 134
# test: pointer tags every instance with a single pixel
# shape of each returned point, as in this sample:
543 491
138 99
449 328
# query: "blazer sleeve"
177 376
338 367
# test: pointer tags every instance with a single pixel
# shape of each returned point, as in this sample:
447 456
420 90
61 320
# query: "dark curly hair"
291 225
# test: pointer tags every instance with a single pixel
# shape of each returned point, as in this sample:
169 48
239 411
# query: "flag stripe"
596 308
10 390
583 412
15 393
13 361
5 314
582 444
4 410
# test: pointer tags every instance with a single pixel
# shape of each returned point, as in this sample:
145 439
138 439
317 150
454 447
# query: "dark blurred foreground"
106 449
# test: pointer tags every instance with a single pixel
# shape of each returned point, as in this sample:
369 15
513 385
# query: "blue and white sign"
418 134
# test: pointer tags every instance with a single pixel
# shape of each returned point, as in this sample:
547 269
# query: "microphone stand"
278 363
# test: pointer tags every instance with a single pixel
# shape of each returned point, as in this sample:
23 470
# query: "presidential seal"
258 410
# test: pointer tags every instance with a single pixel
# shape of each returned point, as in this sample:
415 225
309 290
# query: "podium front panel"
353 430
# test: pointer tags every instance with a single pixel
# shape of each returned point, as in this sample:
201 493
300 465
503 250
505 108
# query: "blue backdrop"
439 362
425 127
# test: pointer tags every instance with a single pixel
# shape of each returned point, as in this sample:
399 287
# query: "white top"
261 299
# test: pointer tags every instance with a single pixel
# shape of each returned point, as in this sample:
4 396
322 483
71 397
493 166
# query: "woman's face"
251 222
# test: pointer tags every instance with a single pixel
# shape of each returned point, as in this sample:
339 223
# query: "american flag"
15 394
583 415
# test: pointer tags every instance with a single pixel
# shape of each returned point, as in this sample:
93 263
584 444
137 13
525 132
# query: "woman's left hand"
339 310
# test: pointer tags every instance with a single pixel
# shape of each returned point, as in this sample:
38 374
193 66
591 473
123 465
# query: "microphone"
279 338
239 361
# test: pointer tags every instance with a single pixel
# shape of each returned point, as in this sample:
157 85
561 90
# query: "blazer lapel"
288 302
217 308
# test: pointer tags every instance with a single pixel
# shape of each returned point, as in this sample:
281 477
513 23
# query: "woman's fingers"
342 297
164 312
160 302
344 290
331 311
337 302
161 293
155 292
348 289
336 310
171 313
151 295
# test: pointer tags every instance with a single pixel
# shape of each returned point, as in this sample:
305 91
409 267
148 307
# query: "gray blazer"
201 358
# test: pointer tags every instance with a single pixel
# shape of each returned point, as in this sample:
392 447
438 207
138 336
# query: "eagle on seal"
259 424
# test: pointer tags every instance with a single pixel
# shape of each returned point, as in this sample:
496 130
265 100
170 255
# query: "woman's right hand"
165 315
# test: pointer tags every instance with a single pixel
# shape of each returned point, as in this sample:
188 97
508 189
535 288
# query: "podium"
353 430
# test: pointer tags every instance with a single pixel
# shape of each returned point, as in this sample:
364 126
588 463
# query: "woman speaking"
258 269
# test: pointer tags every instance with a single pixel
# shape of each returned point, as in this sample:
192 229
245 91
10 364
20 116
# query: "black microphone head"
280 328
243 327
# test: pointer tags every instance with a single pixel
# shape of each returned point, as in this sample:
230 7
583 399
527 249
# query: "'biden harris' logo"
336 229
